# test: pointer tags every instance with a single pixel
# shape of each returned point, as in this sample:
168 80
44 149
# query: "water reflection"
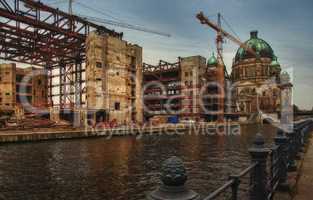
120 168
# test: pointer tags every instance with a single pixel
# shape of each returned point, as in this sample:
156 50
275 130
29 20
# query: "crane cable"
230 27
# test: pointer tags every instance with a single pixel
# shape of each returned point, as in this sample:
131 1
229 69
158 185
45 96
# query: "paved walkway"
305 183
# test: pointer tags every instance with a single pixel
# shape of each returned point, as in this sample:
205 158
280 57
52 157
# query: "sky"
286 25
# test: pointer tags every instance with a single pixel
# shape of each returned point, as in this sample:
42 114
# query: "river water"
122 168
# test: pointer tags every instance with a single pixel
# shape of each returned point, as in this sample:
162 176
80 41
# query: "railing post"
282 141
259 182
302 139
173 178
291 151
297 136
235 187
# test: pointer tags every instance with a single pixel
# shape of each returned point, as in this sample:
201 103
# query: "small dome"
212 62
261 47
275 62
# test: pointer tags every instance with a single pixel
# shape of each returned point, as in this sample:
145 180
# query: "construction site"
88 73
79 73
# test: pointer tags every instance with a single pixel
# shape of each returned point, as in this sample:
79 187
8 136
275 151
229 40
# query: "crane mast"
219 40
221 69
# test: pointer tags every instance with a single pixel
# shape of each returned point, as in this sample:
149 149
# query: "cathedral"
256 79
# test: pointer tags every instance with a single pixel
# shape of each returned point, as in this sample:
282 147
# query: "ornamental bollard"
259 154
291 152
282 141
173 177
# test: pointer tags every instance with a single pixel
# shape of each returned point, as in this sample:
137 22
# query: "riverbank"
57 134
33 135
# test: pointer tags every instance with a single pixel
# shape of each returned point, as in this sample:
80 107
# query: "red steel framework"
36 34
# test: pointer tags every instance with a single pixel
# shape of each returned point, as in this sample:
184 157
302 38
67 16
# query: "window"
117 73
117 106
7 94
99 64
186 74
39 82
0 100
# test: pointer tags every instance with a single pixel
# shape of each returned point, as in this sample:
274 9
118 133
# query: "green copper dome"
275 62
212 61
262 48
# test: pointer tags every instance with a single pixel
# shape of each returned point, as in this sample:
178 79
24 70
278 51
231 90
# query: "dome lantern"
261 48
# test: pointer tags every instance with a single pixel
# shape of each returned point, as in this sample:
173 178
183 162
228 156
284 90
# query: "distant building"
256 78
21 89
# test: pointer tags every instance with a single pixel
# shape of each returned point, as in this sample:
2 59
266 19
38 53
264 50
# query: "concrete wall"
11 95
40 88
111 63
192 70
7 87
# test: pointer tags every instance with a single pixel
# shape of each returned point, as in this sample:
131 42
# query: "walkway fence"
268 170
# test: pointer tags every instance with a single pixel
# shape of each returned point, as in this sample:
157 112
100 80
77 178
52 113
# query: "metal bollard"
259 154
173 177
282 141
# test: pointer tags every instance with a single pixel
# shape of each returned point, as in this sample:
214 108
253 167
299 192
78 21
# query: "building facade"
174 89
256 78
22 89
113 80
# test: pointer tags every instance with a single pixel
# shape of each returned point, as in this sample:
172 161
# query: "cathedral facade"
256 78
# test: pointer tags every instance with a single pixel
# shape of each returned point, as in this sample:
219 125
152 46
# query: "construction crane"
219 44
221 71
112 22
221 34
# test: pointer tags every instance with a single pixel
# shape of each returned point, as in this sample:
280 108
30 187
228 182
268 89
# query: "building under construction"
92 75
186 89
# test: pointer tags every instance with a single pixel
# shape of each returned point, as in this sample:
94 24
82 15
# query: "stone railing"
268 170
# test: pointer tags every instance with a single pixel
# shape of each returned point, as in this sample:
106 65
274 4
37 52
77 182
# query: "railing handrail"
268 169
276 160
231 182
221 189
